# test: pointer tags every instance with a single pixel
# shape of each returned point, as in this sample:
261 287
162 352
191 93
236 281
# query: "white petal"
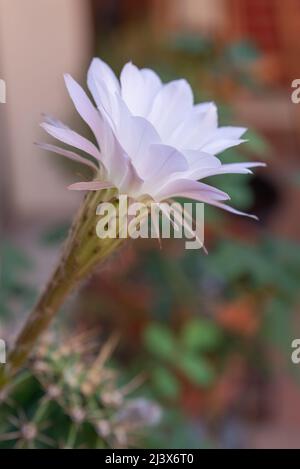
131 182
223 138
171 105
218 146
53 121
199 161
119 166
152 81
232 210
141 134
209 118
102 71
114 157
103 90
194 130
162 161
85 107
135 135
72 138
191 190
231 168
229 132
69 154
138 88
203 107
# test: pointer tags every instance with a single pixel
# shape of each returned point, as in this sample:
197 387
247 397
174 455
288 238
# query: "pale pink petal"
199 162
131 182
138 88
104 89
209 120
204 193
102 71
218 146
230 168
202 108
90 186
161 162
135 135
119 166
85 108
53 121
191 190
170 106
72 138
229 132
231 209
152 81
69 154
195 128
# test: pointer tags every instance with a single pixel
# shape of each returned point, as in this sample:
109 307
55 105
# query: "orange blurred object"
239 316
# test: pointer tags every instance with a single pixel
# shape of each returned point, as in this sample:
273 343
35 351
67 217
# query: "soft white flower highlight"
153 142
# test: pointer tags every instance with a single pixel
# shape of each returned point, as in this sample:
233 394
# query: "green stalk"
82 252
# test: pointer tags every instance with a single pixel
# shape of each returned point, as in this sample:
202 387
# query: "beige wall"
39 41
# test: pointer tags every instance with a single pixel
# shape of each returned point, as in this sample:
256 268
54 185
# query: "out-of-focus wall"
39 41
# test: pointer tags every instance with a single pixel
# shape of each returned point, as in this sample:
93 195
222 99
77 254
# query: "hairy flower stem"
82 252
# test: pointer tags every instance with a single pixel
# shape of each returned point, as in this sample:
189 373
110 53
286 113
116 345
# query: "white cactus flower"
153 142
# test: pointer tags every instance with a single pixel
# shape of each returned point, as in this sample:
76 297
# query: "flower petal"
230 132
135 134
102 71
199 162
194 130
119 166
53 121
103 87
90 186
171 104
231 168
191 190
232 210
85 107
161 162
72 138
138 88
69 154
218 146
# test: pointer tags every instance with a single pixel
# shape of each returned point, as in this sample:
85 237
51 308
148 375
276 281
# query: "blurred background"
210 336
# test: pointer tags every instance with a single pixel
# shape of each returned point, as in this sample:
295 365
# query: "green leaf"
197 369
165 382
160 341
200 335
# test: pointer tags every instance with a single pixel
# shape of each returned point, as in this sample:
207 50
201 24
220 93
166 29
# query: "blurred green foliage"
15 292
183 353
